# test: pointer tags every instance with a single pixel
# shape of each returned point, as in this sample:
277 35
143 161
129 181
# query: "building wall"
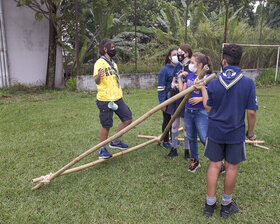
27 46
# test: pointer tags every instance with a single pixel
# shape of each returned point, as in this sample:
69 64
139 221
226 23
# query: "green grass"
42 132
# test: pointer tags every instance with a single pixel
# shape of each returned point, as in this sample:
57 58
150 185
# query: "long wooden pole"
120 133
184 101
102 160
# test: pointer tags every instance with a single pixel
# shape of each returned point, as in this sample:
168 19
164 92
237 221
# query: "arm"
204 97
98 77
182 85
162 95
251 119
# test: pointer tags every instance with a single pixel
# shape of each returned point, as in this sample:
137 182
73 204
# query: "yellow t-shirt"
108 89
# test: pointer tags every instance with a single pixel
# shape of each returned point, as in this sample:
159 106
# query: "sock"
116 141
174 140
187 143
227 198
211 200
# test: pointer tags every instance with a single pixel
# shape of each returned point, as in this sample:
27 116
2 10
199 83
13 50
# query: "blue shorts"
232 153
106 114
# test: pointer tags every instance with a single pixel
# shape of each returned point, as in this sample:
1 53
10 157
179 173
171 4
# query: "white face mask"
192 68
174 59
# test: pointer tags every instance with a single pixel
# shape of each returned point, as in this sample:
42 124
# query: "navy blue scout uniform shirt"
165 77
230 95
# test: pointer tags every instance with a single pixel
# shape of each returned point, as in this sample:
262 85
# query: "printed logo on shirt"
229 73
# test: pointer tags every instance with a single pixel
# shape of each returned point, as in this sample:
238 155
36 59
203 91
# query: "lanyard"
113 67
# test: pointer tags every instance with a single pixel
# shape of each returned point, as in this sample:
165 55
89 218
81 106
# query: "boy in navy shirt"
229 96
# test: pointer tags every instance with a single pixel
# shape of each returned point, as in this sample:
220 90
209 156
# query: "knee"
127 122
215 165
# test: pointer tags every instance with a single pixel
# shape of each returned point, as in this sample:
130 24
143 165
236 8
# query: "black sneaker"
172 153
194 165
223 169
209 209
187 155
227 210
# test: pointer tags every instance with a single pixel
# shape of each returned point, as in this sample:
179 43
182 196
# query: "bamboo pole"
101 160
120 133
255 142
184 101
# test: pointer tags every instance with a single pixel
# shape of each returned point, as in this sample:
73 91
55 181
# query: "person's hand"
183 74
101 73
173 85
198 87
251 137
195 100
163 109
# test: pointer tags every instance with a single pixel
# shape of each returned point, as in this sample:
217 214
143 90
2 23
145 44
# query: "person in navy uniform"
229 97
184 54
165 77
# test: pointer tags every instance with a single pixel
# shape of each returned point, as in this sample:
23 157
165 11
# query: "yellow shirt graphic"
108 89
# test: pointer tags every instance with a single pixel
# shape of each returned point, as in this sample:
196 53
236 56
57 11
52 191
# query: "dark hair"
167 59
232 53
187 49
106 43
205 60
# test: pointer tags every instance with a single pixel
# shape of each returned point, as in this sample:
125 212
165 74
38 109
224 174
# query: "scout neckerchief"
184 68
230 76
113 67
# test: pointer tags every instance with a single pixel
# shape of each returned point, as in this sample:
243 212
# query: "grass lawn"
42 132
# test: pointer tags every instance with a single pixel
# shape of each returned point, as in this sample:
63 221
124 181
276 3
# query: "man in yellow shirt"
109 92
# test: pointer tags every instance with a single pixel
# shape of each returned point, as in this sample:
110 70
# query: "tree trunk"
50 81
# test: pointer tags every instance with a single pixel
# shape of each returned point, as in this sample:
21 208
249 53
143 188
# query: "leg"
123 124
191 133
175 127
103 134
230 177
166 119
201 123
212 177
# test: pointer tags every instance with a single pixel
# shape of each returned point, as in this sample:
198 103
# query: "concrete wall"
139 81
27 46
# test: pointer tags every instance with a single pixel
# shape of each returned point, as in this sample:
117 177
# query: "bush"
71 84
267 78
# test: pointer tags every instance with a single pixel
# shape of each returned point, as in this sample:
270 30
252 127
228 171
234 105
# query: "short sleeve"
252 101
98 64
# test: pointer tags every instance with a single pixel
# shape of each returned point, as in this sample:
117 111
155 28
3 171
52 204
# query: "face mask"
181 57
192 68
112 53
174 59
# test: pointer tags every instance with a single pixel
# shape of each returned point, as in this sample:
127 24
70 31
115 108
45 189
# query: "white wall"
27 46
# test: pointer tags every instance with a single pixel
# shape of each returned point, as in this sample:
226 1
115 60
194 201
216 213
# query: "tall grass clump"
267 78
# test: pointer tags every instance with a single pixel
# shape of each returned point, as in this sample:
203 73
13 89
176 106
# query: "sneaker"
209 209
120 145
227 210
194 165
104 154
223 169
172 153
166 145
187 155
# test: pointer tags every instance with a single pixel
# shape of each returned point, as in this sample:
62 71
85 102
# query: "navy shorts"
232 153
106 114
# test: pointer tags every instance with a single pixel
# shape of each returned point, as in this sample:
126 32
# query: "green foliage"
267 78
71 84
